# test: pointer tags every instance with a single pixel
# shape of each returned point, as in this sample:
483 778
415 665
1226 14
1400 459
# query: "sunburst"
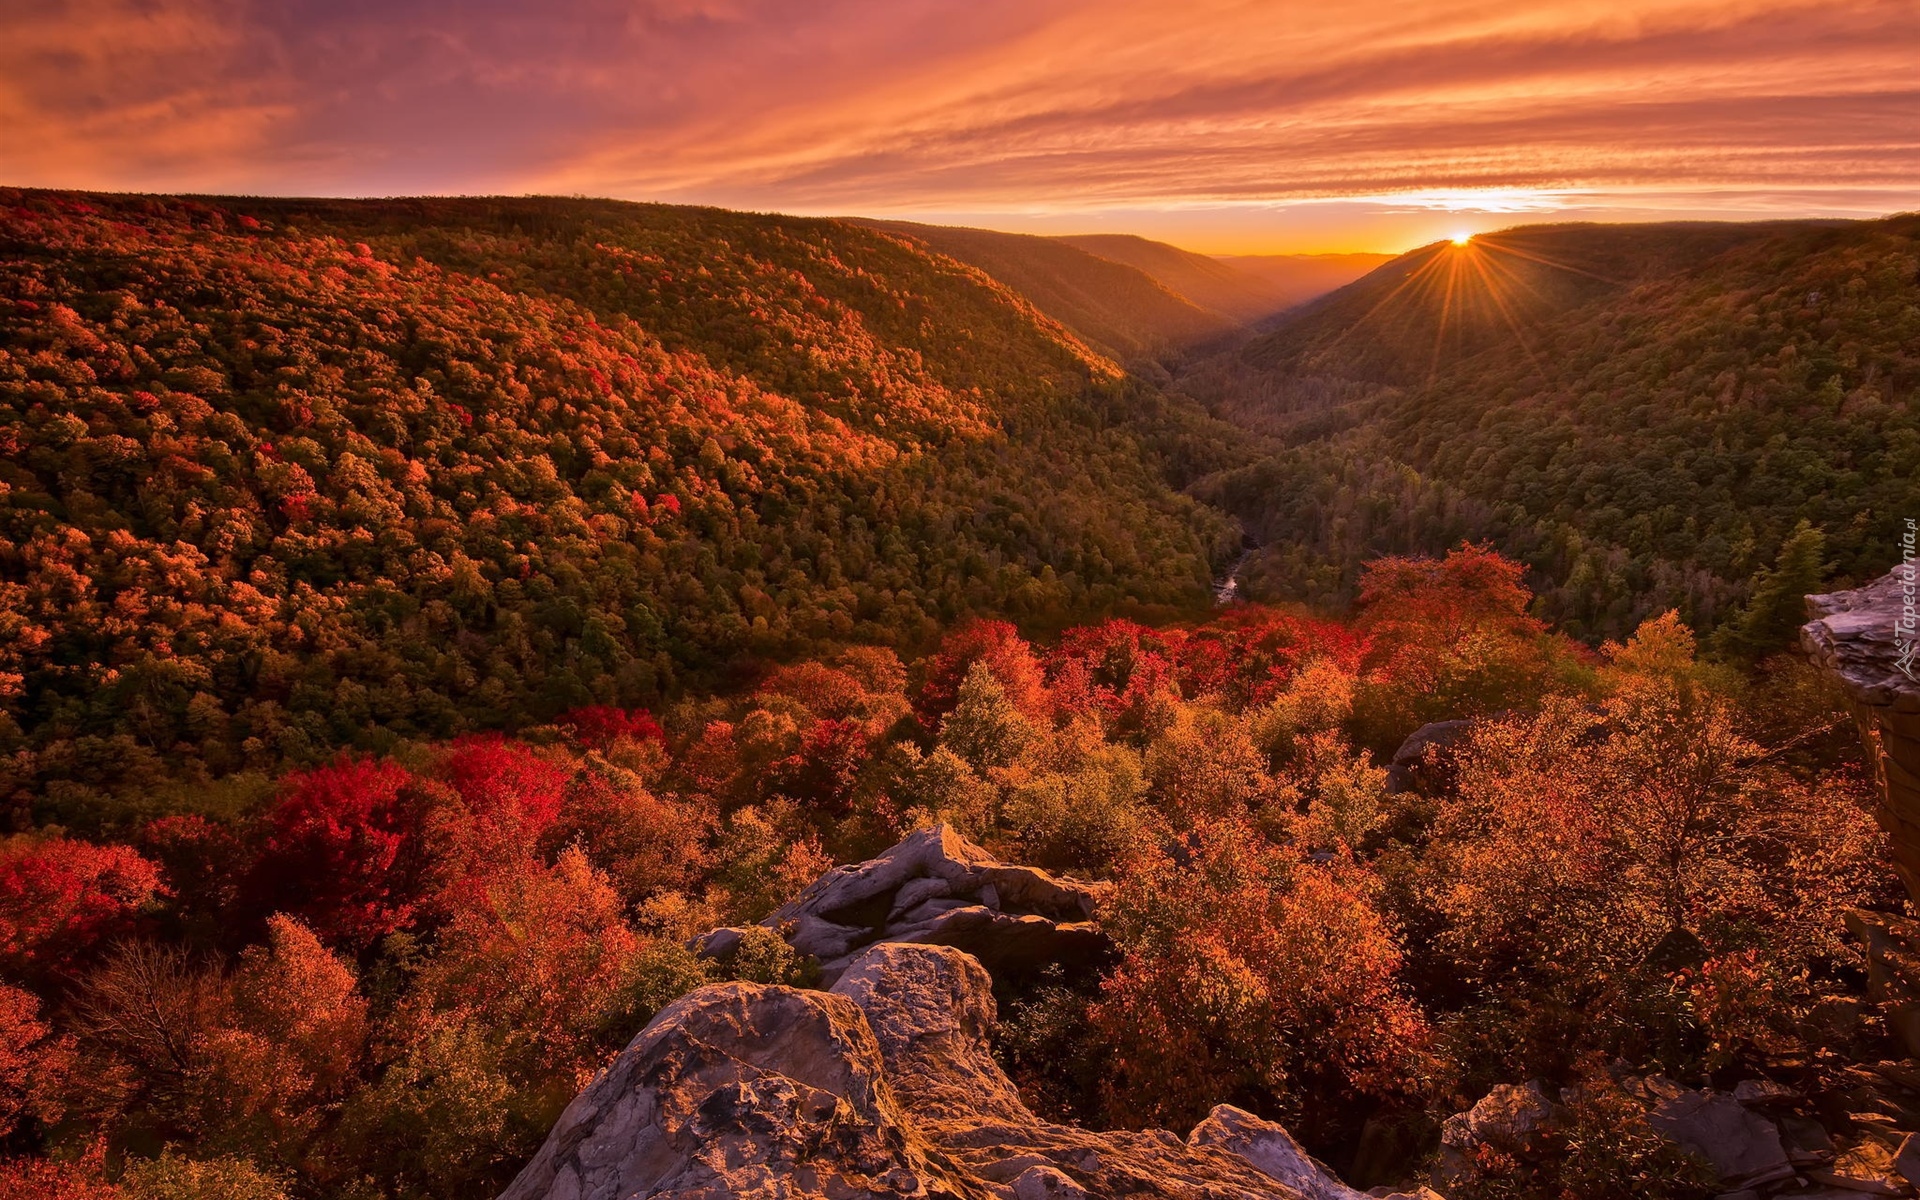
1465 274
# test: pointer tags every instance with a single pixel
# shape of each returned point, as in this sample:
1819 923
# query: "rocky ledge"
882 1087
1855 636
937 888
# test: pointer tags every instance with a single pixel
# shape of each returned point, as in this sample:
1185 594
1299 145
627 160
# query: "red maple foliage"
62 901
342 851
1249 654
998 645
50 1179
822 772
1112 668
504 783
599 726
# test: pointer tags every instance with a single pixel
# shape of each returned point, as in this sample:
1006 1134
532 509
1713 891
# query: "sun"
1461 239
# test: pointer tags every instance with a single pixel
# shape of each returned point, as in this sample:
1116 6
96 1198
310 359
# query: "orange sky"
1222 126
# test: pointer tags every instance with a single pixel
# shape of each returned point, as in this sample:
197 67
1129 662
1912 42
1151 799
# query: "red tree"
505 783
1007 654
62 900
343 851
1112 668
822 773
599 726
1249 654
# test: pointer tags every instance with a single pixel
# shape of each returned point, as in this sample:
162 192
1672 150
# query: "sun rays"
1473 293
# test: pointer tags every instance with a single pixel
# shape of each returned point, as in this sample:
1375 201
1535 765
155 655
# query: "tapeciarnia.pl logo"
1904 624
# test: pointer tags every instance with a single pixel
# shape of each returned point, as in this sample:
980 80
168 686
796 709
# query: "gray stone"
1854 636
885 1087
1424 762
1744 1148
1272 1149
1511 1117
1761 1092
1906 1160
1046 1183
935 887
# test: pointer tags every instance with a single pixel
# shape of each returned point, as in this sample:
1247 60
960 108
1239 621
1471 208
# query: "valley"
457 655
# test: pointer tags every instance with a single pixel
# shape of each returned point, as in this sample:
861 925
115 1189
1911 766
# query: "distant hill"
1116 307
282 476
1247 288
1643 413
1436 305
1139 300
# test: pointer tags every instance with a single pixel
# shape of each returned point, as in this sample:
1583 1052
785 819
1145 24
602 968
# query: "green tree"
1776 605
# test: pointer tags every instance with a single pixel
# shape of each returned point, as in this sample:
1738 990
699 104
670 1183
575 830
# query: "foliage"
284 477
1599 1147
62 900
175 1177
1645 419
1250 976
386 981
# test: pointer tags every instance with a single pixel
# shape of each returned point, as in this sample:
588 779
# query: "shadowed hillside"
1120 309
1432 307
1247 288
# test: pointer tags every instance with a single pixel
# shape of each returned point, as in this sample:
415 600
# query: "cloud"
983 106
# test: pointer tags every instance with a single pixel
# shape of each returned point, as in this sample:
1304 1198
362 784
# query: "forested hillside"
284 476
386 979
1644 415
1248 288
421 620
1117 307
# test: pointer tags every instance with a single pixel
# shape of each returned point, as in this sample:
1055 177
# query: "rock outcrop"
1424 764
883 1087
1743 1147
1272 1150
1862 638
937 888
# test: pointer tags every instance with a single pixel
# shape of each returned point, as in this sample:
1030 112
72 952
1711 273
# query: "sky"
1221 126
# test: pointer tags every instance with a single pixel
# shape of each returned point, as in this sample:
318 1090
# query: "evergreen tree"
1776 604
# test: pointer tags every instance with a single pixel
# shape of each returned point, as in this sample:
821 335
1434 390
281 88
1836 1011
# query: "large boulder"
1892 945
1744 1148
884 1087
937 888
1513 1118
1865 639
739 1090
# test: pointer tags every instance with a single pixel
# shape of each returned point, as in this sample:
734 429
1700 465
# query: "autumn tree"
1251 977
1449 638
63 901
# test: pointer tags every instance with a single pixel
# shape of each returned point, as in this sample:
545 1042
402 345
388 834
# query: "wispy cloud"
982 106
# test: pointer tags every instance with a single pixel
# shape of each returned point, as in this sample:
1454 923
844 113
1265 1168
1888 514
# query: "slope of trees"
386 979
286 476
1648 440
1245 287
1118 306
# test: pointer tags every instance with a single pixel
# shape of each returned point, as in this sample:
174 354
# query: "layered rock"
1744 1148
1863 638
937 888
884 1087
739 1090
